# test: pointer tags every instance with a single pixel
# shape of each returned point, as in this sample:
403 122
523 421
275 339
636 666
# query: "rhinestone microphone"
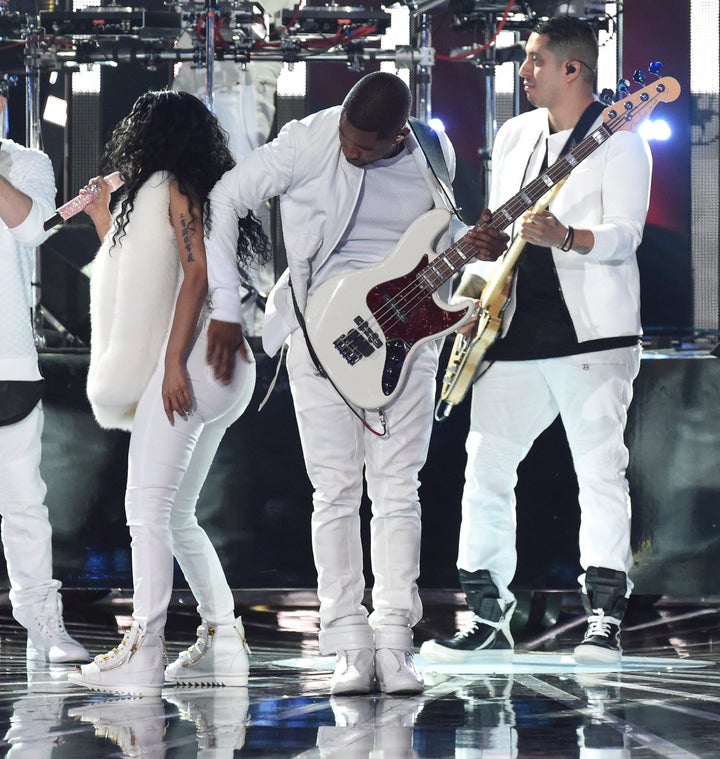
81 201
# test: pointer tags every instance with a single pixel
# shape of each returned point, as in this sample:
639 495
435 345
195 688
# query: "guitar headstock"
627 110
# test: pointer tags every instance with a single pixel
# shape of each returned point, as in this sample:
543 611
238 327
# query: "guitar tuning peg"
623 86
607 96
623 90
655 68
639 77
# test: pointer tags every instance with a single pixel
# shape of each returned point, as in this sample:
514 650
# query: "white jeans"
26 531
167 466
512 403
336 448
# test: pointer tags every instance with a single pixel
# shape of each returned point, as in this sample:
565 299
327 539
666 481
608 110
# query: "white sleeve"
33 176
220 247
263 174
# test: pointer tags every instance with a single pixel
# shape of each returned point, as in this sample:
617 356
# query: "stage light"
655 130
436 124
86 80
55 111
292 81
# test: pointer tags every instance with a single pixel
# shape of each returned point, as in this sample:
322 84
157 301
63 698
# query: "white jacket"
608 193
318 192
31 172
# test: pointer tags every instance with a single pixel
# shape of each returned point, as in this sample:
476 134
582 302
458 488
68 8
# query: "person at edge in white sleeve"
27 198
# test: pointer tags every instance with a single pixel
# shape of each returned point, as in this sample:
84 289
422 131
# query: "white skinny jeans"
336 448
512 403
167 466
26 531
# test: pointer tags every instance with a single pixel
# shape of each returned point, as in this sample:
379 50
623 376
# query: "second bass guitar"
365 325
466 360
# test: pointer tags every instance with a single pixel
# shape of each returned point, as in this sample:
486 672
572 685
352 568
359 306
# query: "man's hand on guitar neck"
489 243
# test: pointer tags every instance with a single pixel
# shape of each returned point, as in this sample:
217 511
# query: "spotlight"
436 124
655 130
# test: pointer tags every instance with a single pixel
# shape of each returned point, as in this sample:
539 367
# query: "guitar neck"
457 255
504 266
517 205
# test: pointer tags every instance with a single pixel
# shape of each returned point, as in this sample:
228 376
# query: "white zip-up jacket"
608 193
318 192
31 172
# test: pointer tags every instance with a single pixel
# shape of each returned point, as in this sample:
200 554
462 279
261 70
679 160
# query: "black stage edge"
256 503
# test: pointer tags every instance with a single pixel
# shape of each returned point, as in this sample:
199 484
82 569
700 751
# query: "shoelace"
51 627
476 624
470 630
599 624
116 652
200 646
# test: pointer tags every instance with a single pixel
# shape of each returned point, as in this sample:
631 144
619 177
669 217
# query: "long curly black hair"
175 132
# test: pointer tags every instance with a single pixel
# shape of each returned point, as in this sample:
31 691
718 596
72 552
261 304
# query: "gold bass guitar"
466 361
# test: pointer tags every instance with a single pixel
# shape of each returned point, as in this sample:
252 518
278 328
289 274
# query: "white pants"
337 447
26 531
167 466
512 403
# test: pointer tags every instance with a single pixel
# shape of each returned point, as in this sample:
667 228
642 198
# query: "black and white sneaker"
601 644
484 638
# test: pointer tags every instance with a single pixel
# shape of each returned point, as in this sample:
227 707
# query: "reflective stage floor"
663 701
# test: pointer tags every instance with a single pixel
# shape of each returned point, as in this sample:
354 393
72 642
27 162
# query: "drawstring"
274 380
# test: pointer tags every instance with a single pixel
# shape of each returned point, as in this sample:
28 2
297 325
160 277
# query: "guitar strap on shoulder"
583 126
430 145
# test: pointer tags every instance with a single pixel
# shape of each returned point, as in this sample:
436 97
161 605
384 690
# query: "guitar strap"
301 321
430 145
583 126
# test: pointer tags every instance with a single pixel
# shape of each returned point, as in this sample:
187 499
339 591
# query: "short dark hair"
380 103
571 38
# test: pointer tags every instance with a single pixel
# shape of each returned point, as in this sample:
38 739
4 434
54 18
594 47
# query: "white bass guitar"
365 326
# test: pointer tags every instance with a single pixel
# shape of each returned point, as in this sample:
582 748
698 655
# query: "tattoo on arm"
186 233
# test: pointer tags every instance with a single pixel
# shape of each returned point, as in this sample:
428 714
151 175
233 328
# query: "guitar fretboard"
457 255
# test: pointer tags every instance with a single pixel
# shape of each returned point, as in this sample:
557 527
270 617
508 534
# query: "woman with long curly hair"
149 374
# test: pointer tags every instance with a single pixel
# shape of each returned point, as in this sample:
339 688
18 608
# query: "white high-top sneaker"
219 656
48 640
355 657
134 668
394 664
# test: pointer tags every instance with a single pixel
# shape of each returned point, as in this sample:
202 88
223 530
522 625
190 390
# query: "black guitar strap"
582 127
301 321
430 145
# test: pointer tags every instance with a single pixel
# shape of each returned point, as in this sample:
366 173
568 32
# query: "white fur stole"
133 290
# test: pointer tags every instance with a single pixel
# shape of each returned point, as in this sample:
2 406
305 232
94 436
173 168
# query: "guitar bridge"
357 343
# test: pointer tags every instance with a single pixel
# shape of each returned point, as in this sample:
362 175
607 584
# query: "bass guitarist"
351 179
569 345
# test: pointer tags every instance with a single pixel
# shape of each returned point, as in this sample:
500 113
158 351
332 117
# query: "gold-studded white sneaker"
134 668
219 656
